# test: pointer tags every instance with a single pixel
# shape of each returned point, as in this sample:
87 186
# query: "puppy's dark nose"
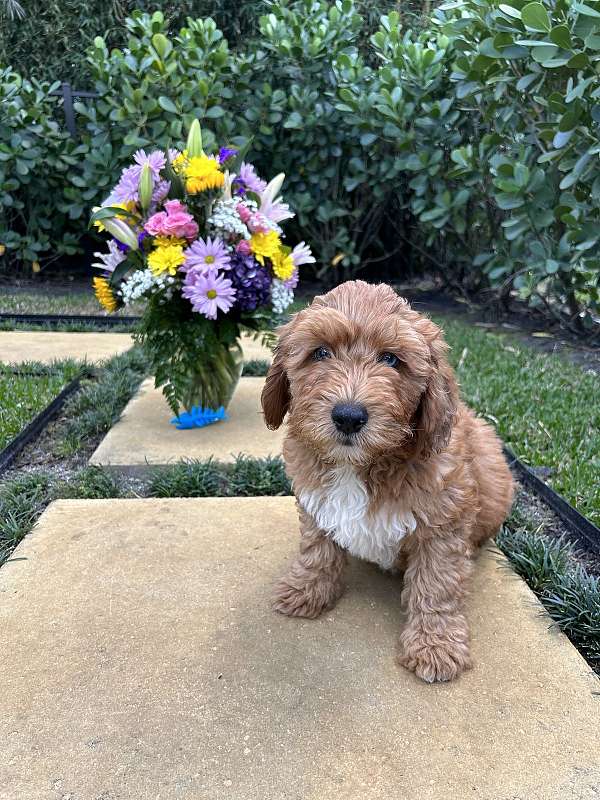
349 417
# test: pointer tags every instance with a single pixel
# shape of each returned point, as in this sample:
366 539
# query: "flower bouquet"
198 238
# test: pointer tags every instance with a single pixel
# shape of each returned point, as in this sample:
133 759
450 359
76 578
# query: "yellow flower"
179 162
128 206
167 241
265 245
166 258
202 173
2 249
283 264
104 294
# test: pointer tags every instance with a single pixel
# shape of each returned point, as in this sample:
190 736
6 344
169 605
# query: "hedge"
474 140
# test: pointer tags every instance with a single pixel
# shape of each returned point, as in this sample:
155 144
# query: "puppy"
387 465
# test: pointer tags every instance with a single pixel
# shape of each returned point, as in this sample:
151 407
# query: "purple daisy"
128 185
160 192
156 161
111 260
211 255
292 282
249 180
208 293
251 281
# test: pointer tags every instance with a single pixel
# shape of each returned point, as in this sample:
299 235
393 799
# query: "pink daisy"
211 254
208 293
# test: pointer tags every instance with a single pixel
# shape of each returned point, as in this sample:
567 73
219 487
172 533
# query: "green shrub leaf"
535 16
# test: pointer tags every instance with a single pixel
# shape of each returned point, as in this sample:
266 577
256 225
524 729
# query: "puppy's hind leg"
314 582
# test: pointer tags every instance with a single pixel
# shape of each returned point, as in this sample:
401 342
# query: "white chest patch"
341 508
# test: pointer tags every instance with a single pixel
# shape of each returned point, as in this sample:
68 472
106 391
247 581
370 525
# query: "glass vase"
213 379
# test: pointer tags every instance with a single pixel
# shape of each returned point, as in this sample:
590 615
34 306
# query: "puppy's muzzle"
349 418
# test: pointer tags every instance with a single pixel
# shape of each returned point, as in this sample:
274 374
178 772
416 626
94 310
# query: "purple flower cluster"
251 281
225 153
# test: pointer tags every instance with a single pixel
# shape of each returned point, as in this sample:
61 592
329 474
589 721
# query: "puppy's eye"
390 359
321 353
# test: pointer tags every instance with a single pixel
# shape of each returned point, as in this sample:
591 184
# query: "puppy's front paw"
434 660
305 600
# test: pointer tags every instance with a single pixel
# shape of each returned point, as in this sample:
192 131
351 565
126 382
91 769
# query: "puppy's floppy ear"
437 410
275 398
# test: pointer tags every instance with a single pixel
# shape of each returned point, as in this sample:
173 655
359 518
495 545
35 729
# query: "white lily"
121 231
271 206
227 185
273 188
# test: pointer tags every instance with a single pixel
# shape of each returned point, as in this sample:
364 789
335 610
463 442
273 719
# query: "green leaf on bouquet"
109 212
177 186
120 271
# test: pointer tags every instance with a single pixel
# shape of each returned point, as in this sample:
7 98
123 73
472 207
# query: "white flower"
281 296
108 261
143 282
225 218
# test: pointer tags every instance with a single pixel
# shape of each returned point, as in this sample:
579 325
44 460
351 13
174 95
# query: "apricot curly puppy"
387 465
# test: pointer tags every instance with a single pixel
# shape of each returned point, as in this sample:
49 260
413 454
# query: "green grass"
78 301
570 595
24 396
90 483
545 409
256 368
246 477
98 405
65 327
23 498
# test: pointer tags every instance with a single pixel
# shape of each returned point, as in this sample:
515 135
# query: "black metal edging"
585 530
62 319
14 447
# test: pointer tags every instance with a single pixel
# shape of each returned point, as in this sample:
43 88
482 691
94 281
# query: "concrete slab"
140 660
47 346
144 436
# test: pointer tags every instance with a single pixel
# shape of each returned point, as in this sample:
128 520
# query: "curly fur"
420 487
